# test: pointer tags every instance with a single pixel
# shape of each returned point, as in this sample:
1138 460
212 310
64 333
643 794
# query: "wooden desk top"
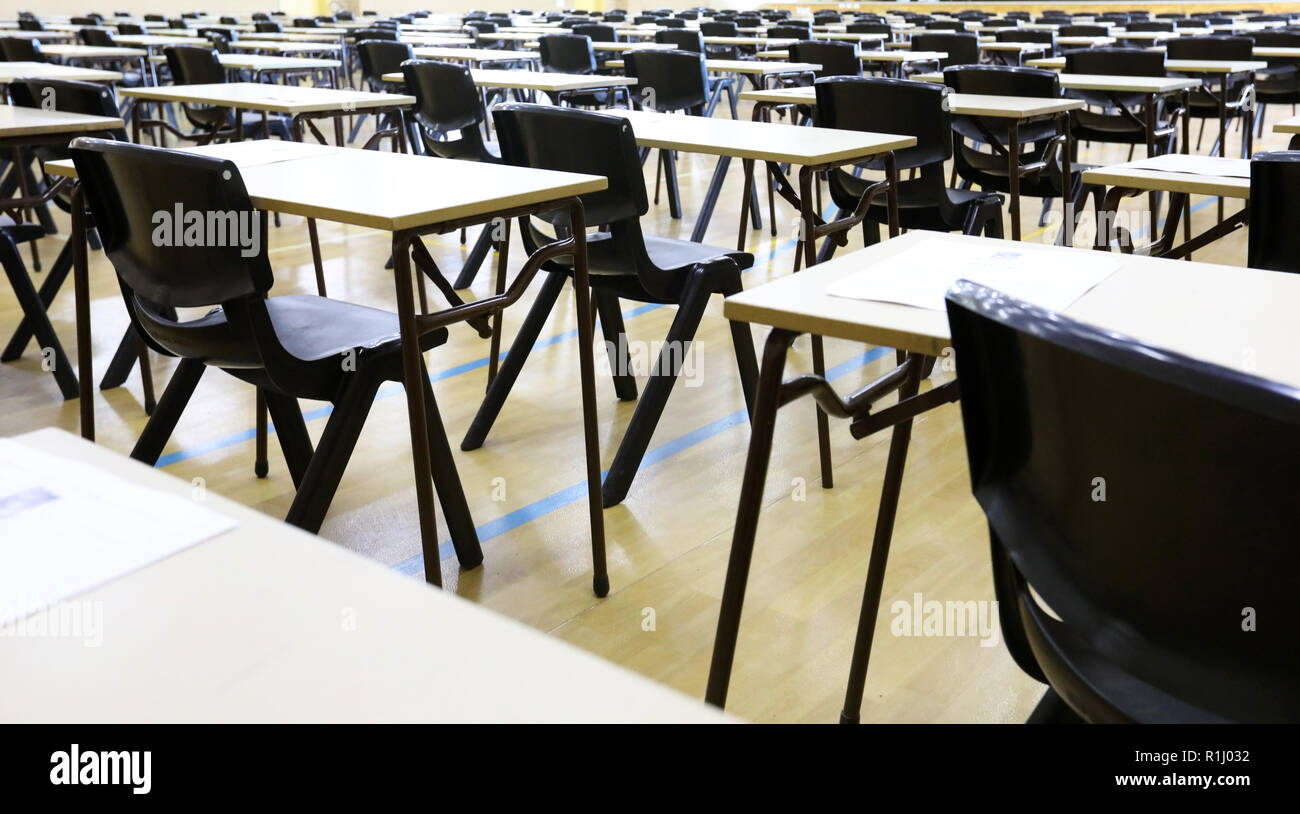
960 104
1151 36
288 99
157 41
540 80
902 56
1291 125
630 46
247 627
473 54
284 47
1087 42
1166 303
53 36
761 141
9 71
16 122
1268 51
1103 82
1214 65
752 66
756 42
92 52
1173 180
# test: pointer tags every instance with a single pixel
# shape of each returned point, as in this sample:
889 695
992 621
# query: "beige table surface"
9 71
902 56
252 626
1291 125
539 80
341 184
16 122
53 36
1166 303
91 52
288 99
472 54
284 47
961 104
267 62
761 141
1106 82
1126 175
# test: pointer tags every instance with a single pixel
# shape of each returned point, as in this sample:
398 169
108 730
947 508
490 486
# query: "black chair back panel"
1198 469
566 53
1274 239
962 48
570 140
836 58
669 80
682 39
884 105
143 199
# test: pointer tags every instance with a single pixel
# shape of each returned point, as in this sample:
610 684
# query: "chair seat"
20 232
310 329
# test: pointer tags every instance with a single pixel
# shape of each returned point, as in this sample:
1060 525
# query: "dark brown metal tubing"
762 427
81 287
503 255
807 176
412 372
907 408
587 364
890 490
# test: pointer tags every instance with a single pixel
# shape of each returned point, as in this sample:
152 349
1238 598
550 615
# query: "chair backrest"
669 80
1274 241
882 105
868 28
268 27
1003 23
447 103
672 22
375 34
596 32
305 22
1119 61
1002 80
1046 37
836 58
962 48
1150 25
1277 39
571 140
177 24
682 39
30 24
67 96
784 31
379 57
15 49
566 53
719 29
128 187
1211 47
1192 22
945 25
81 20
194 65
130 29
1077 30
1148 547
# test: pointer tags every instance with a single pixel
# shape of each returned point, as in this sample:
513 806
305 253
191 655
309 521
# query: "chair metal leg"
321 480
670 183
475 259
620 361
291 430
54 280
662 378
499 390
162 423
34 311
447 485
260 465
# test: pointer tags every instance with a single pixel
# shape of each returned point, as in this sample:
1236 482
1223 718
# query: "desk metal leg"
587 365
711 199
1067 187
1013 177
889 493
412 372
808 226
762 427
81 287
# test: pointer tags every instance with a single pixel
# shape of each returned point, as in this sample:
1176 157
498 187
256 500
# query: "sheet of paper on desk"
66 527
1194 165
921 275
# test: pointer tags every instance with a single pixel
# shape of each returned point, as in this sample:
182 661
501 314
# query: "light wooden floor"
668 542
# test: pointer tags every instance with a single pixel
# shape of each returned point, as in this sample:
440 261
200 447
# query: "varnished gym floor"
668 542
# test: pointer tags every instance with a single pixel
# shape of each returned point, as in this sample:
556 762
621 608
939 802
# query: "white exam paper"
1194 165
921 275
66 527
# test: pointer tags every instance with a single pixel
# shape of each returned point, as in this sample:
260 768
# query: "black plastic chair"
836 58
1238 91
571 53
788 32
1119 118
945 25
197 65
92 99
624 263
667 82
1150 25
693 40
1150 589
1041 143
289 347
962 48
1279 83
130 29
447 119
377 58
1047 38
1274 240
1080 30
30 24
268 27
15 49
917 109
